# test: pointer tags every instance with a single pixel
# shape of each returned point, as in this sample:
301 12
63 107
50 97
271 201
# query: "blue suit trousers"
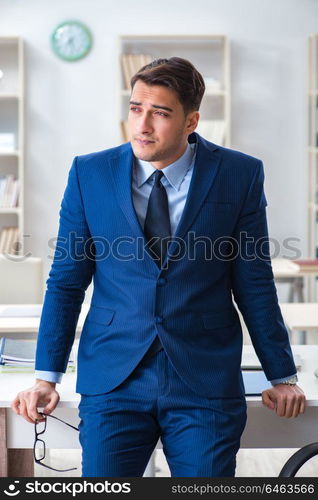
119 429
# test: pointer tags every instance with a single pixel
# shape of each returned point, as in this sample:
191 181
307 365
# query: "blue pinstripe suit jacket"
220 250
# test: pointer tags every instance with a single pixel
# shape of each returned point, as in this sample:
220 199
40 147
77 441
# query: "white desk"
297 315
300 315
21 324
264 429
259 433
288 271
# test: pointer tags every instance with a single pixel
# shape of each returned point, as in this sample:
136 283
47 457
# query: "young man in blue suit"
169 226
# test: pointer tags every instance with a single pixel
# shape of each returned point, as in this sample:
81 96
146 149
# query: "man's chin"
141 155
145 157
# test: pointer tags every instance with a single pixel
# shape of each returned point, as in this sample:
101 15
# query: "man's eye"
161 113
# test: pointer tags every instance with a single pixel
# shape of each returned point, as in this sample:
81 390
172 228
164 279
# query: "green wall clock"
71 40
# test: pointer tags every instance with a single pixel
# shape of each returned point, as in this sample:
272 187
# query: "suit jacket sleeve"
71 272
253 284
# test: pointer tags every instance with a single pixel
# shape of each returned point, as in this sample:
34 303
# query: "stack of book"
9 240
18 356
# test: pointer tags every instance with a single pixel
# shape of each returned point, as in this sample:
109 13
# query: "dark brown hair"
177 74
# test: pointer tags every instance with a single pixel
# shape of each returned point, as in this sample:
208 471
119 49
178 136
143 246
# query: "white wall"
70 107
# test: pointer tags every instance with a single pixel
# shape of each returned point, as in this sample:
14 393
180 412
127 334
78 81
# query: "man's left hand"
287 400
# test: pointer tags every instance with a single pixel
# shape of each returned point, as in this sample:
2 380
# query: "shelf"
312 94
9 95
215 92
127 92
12 122
9 39
10 210
210 54
10 153
167 38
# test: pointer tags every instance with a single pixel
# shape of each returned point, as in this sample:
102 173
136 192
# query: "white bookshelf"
210 54
12 122
312 99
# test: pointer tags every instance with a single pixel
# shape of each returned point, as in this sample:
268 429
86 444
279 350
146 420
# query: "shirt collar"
174 173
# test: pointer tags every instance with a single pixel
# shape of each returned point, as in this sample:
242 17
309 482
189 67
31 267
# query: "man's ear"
192 121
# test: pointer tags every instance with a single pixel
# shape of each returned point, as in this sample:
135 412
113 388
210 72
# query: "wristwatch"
291 381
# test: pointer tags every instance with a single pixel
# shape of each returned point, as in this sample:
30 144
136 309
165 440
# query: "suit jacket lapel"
122 169
204 172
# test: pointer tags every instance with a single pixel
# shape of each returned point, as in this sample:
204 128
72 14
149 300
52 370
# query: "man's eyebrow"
153 105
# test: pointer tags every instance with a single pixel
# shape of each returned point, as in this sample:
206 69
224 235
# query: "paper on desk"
255 382
21 311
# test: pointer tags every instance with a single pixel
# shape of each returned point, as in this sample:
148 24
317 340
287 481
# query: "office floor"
250 463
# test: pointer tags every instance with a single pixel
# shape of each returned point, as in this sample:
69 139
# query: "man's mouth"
144 142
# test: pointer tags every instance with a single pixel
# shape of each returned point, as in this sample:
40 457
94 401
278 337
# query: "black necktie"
157 224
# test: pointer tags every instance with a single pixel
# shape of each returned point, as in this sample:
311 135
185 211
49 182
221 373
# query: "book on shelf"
131 64
9 238
18 355
9 191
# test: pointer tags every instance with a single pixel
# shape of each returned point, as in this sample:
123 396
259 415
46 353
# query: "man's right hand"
42 394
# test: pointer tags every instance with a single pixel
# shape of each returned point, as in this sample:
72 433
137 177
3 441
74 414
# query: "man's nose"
145 125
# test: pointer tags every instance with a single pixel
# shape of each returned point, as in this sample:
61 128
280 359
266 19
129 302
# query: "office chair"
297 460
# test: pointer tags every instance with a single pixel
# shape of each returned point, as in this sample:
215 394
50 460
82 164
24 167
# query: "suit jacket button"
158 319
162 281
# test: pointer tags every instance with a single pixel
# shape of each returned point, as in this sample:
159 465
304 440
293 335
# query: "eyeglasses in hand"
39 448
